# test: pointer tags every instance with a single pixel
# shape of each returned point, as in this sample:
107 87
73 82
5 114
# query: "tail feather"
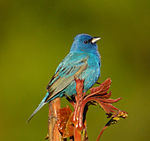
39 107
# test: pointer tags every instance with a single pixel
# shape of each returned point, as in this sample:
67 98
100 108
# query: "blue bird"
83 61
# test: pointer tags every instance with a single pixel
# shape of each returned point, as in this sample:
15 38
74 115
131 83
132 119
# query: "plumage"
83 61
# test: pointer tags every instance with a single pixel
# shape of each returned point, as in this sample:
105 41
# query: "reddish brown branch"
54 134
65 123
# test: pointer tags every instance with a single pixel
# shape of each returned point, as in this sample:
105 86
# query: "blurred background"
36 35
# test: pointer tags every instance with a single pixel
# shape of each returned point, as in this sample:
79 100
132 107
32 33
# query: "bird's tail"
39 107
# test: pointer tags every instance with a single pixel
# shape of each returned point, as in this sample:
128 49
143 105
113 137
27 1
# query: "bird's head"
85 43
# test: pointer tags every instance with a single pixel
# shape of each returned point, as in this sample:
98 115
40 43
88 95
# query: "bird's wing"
71 66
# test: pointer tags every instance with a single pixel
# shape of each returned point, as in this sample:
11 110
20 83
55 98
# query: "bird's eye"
85 42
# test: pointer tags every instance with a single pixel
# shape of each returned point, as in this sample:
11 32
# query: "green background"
36 35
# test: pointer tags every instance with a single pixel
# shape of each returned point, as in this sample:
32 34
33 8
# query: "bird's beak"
95 39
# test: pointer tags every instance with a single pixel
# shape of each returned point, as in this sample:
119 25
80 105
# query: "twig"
99 136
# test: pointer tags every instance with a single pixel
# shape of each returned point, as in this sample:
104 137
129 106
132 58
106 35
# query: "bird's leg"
70 99
98 83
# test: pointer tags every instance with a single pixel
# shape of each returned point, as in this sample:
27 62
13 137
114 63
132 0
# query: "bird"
83 61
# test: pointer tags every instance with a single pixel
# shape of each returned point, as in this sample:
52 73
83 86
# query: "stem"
54 107
99 136
77 134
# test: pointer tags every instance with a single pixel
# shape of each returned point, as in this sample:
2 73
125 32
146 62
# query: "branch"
65 123
54 107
